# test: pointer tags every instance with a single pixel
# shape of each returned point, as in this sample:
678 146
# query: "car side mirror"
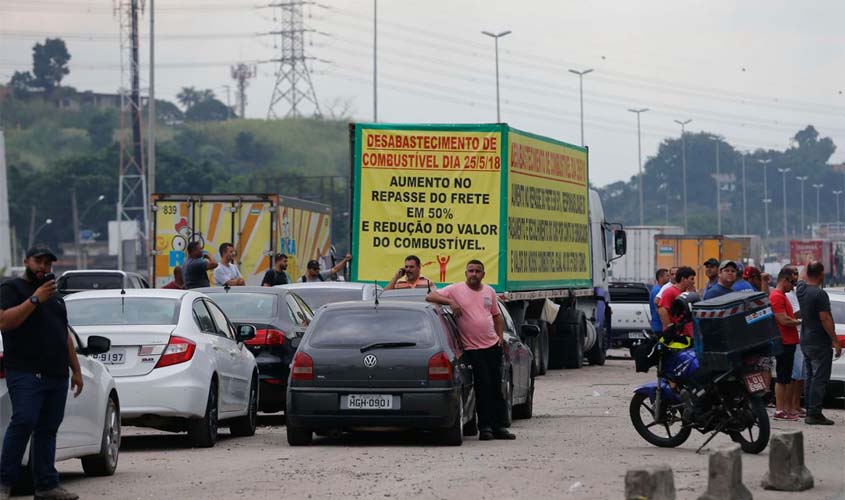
96 345
529 331
246 332
620 242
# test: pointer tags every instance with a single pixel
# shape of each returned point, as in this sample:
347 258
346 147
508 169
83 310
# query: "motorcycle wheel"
749 440
643 418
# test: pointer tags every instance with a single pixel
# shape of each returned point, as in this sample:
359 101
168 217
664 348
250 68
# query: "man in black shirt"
196 266
278 275
37 355
817 338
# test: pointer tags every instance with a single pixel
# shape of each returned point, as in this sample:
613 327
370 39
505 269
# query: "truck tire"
598 354
570 329
540 347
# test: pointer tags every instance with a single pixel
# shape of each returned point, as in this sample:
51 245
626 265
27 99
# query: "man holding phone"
37 355
196 266
409 276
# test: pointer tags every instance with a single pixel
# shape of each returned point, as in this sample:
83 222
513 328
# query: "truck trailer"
518 202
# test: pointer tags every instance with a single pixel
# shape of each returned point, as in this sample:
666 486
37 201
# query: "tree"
49 63
207 110
101 128
248 149
21 83
190 97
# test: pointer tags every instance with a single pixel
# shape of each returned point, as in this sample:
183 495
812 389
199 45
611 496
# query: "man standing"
662 277
196 266
711 270
787 324
685 281
313 273
38 353
817 338
278 275
758 281
409 276
482 331
666 286
727 278
178 282
227 274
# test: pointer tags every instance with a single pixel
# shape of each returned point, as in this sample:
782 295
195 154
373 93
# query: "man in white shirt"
227 274
666 286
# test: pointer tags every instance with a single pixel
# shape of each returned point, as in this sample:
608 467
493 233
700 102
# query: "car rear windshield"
123 311
629 294
91 282
316 297
355 329
247 305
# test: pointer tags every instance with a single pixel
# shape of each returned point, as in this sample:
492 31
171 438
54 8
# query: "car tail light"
269 336
439 367
178 350
302 367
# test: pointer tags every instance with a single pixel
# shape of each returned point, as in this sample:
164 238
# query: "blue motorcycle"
690 397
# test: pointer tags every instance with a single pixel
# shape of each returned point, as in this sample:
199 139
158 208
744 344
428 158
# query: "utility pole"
765 164
718 193
375 61
802 178
639 160
496 37
228 101
837 193
683 125
818 212
74 208
784 171
581 92
293 78
744 201
242 73
151 108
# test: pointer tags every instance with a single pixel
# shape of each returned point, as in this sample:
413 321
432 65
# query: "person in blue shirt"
661 277
727 278
753 279
711 271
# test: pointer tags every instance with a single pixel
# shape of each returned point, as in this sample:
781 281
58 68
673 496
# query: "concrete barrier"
724 479
787 471
650 483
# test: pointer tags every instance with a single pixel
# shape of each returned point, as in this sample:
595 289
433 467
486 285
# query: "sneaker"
485 435
818 420
785 415
57 493
503 434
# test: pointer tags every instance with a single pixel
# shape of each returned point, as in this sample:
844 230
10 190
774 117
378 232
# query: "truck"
693 250
258 225
518 202
637 265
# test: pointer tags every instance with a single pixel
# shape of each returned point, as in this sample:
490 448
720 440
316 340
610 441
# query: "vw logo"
370 360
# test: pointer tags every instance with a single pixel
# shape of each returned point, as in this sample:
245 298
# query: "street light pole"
639 159
375 61
744 201
47 222
765 164
802 178
818 212
766 202
496 37
784 171
581 91
718 193
836 192
683 125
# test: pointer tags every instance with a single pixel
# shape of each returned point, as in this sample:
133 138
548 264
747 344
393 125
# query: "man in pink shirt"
481 328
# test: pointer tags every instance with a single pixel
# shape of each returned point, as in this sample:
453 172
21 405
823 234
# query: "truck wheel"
570 328
540 347
598 354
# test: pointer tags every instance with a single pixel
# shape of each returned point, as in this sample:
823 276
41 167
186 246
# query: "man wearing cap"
727 278
758 281
278 275
38 353
313 273
711 271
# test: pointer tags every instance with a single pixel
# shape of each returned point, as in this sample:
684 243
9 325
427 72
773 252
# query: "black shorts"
785 362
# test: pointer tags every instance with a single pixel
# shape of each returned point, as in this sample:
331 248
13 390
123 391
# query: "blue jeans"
38 407
818 361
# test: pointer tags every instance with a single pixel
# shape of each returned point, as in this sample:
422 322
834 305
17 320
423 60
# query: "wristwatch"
35 300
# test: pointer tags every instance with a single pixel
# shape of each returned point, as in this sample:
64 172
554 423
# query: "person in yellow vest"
409 276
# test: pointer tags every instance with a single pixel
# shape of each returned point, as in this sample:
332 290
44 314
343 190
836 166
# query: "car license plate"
368 402
637 335
755 382
110 358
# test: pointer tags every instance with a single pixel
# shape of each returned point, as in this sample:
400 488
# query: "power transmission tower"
241 73
132 191
293 78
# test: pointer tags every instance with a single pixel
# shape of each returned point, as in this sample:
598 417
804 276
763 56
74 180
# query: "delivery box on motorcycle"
729 326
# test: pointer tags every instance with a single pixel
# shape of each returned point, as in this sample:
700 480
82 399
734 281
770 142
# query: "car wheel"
105 462
245 426
526 410
454 435
509 401
202 432
298 436
540 347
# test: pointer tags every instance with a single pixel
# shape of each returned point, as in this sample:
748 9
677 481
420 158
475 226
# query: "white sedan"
91 426
177 360
836 388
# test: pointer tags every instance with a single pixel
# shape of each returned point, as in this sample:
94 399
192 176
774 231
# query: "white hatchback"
176 358
91 426
836 387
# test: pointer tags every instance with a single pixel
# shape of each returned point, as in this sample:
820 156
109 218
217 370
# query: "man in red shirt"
787 324
684 282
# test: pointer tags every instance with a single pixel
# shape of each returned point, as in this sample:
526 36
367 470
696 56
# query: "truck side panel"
304 233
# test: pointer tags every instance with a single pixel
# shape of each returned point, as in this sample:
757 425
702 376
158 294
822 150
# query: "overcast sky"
753 71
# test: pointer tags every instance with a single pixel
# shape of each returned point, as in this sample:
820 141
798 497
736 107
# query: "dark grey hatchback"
365 366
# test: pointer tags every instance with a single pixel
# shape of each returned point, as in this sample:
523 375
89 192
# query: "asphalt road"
578 445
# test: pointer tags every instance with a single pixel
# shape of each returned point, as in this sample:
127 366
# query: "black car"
363 365
519 367
280 318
